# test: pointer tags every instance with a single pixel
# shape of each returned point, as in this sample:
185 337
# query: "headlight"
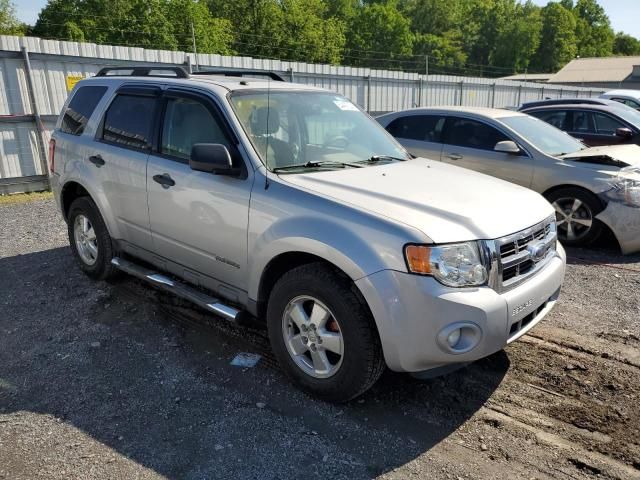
454 265
626 187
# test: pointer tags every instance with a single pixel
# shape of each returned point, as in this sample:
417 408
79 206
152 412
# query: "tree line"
478 37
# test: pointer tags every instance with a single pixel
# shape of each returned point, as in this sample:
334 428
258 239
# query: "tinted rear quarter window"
129 120
80 109
426 128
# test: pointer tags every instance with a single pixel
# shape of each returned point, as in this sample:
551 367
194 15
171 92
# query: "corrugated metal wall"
52 61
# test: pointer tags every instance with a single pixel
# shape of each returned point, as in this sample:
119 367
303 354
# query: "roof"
573 106
228 83
622 93
529 77
597 69
479 111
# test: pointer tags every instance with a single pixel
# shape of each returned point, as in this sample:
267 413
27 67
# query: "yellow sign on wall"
72 80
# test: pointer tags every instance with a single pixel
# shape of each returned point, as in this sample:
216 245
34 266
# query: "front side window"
129 120
81 108
289 128
606 125
464 132
426 128
187 122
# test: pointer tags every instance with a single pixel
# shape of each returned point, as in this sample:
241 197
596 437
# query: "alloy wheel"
85 238
313 337
574 218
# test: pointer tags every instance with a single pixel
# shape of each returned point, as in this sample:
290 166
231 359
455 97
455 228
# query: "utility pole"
195 51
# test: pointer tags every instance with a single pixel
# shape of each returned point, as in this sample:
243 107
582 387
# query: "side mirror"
507 146
624 132
211 158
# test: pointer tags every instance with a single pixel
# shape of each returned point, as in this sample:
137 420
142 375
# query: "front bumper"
624 222
411 311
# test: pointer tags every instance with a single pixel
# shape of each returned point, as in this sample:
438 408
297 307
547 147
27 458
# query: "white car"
631 98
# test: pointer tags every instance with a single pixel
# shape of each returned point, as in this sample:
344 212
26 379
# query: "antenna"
266 155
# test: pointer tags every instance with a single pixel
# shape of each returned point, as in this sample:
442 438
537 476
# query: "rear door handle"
454 156
97 160
165 180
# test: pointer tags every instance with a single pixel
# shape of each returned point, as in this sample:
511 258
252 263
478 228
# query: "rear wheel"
576 210
89 239
323 334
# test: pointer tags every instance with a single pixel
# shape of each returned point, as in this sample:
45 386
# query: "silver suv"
288 204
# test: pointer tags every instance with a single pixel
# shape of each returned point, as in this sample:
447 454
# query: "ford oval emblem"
537 251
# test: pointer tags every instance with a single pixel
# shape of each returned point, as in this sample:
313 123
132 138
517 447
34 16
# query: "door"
419 134
470 143
198 220
120 158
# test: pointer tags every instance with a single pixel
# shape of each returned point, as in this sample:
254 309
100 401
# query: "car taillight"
52 155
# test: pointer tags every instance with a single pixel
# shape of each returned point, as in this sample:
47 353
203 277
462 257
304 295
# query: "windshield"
543 136
309 129
627 113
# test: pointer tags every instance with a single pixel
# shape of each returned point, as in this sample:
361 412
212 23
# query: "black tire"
590 206
101 269
362 360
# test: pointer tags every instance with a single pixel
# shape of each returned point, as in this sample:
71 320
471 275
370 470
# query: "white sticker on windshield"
345 105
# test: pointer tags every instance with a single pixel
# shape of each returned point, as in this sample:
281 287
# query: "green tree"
558 39
626 45
519 37
594 35
9 23
212 35
379 36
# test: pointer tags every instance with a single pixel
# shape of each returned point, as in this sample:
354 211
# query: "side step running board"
180 289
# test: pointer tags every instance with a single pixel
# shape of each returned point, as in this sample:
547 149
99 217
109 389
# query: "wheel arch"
284 262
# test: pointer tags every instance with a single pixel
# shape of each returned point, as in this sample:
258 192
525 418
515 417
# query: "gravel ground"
103 380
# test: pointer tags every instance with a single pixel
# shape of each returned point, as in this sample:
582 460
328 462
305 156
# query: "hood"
614 155
445 202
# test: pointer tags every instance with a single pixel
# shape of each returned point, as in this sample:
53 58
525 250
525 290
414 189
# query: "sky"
624 14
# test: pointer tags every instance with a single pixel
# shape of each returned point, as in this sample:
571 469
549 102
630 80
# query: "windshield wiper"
326 163
380 158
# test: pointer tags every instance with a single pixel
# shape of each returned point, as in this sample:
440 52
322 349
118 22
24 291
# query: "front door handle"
454 156
165 180
97 160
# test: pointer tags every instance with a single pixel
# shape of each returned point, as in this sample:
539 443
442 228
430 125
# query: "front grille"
522 254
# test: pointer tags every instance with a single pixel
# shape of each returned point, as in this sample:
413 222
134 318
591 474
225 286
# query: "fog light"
453 338
459 337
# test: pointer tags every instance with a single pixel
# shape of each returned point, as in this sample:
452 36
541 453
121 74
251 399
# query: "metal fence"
36 74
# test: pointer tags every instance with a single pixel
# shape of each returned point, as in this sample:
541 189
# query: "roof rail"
242 73
144 71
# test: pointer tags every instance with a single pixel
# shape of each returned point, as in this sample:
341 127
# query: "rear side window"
628 102
426 128
80 109
468 133
557 118
128 121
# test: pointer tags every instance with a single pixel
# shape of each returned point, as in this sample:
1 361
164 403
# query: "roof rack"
242 73
144 71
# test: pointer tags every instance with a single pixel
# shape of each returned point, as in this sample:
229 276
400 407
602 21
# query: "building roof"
597 69
529 77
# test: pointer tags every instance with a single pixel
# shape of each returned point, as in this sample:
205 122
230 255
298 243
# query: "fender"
330 240
81 174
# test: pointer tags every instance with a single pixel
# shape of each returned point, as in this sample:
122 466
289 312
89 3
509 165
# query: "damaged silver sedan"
591 188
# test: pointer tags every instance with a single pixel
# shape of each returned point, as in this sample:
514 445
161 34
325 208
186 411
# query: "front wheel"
323 334
576 210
